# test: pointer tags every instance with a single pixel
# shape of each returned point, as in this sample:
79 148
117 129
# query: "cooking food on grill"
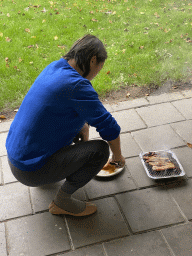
158 162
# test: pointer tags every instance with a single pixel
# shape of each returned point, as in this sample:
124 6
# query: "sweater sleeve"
86 103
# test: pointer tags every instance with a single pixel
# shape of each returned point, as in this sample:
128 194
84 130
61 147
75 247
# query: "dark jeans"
77 163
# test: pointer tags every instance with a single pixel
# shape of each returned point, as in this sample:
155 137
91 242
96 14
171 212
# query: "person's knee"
104 148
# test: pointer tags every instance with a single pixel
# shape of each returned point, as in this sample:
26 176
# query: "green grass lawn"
147 41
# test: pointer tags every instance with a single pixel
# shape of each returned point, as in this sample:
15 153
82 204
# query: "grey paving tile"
40 234
42 196
1 171
129 146
99 187
3 249
182 192
7 174
3 150
138 173
159 114
157 138
95 250
129 104
165 97
185 107
149 208
106 223
108 107
128 120
184 129
187 93
180 239
14 200
93 133
184 156
4 126
147 244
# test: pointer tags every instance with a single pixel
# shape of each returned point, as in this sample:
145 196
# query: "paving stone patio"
136 215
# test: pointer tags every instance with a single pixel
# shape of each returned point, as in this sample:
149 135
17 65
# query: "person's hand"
83 135
120 161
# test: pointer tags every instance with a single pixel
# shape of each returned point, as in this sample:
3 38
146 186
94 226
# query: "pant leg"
78 164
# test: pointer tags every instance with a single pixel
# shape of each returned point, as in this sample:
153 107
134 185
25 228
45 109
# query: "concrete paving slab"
187 93
99 187
7 174
4 126
184 156
108 107
93 133
180 239
106 223
165 97
159 114
185 107
1 172
15 201
41 234
128 120
3 249
3 137
138 173
96 250
42 196
129 147
184 129
147 244
157 138
129 104
182 192
149 208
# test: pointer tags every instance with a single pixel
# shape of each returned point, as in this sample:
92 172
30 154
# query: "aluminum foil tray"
168 173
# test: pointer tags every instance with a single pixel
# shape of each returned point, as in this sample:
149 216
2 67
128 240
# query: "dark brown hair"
84 49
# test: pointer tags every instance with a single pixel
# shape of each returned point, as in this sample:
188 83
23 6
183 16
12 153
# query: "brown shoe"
90 209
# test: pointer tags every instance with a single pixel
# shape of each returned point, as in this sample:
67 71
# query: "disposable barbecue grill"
161 164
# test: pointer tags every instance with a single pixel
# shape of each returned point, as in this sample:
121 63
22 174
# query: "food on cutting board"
158 162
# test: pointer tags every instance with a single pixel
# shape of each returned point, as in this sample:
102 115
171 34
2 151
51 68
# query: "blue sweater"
52 113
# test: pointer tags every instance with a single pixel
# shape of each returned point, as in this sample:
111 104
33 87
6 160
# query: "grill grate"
168 173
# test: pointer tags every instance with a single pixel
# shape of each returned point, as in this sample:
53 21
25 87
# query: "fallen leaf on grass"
2 117
94 20
30 46
7 39
108 72
1 34
141 47
61 46
44 10
27 30
55 37
6 59
8 15
189 145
